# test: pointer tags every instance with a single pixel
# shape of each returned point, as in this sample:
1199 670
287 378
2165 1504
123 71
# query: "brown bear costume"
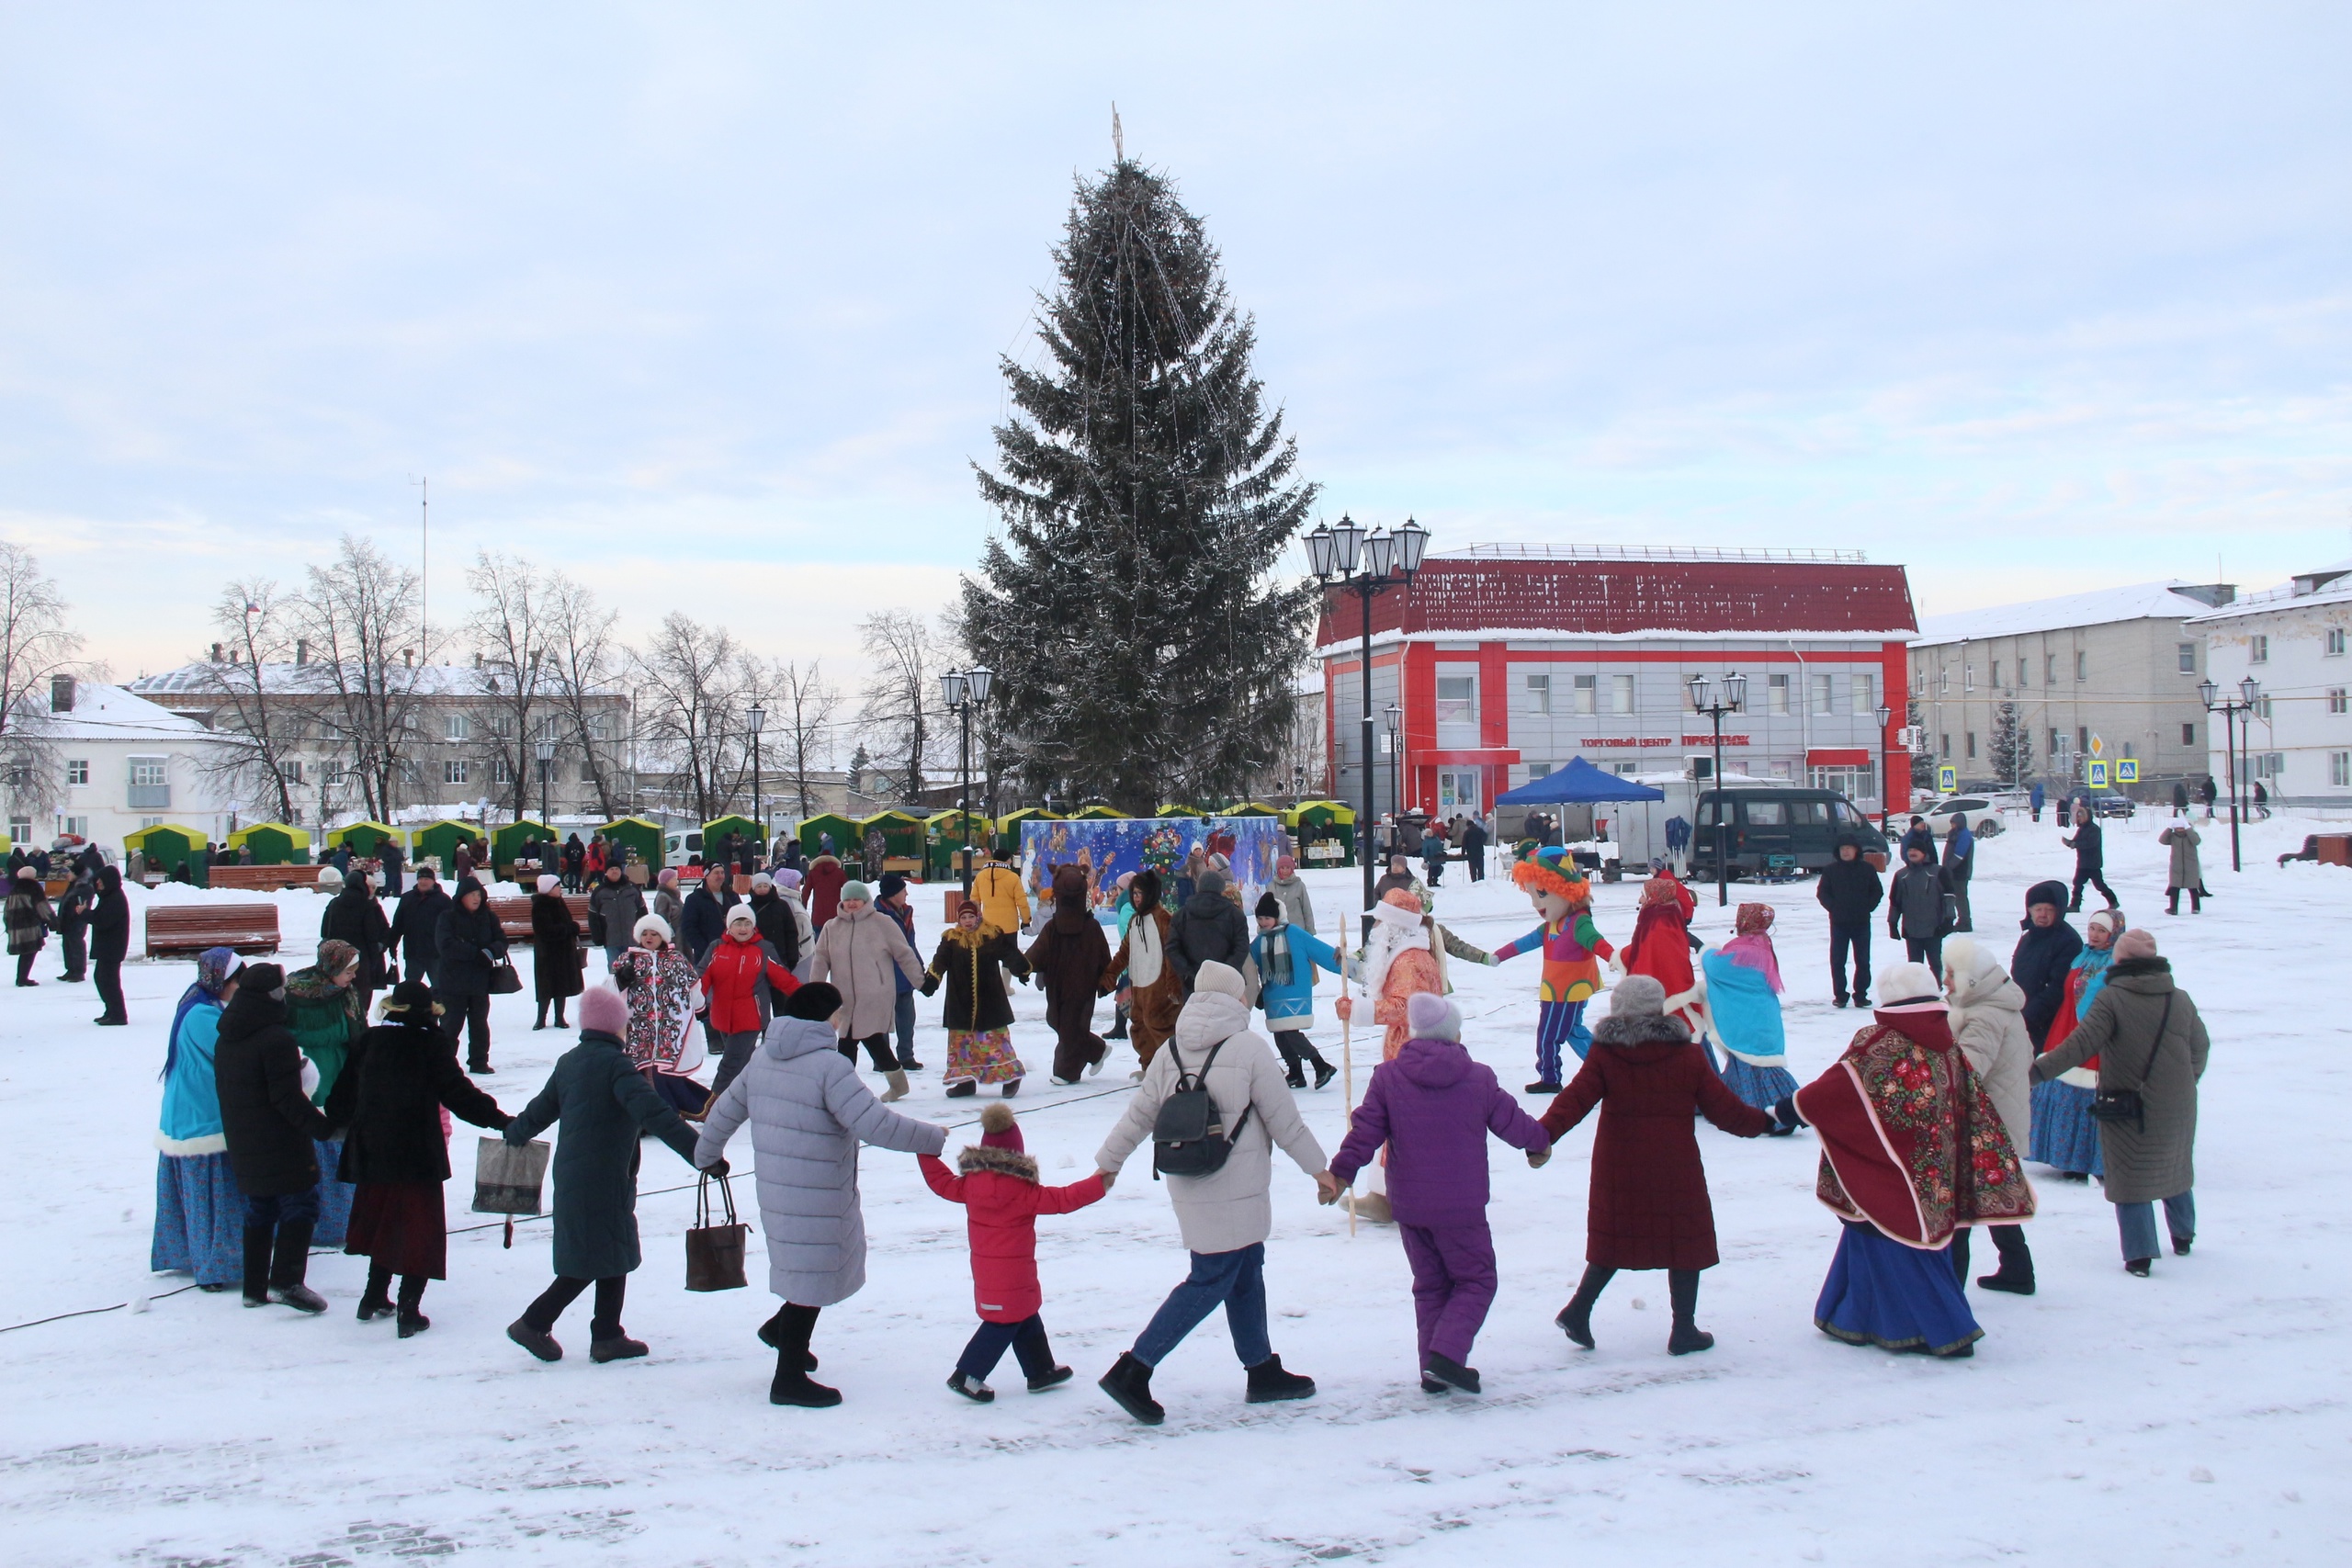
1156 993
1067 959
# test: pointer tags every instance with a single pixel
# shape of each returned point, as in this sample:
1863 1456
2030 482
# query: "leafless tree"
907 655
583 664
360 615
258 729
511 637
36 645
694 684
801 720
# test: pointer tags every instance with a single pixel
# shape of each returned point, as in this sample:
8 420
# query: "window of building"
1968 677
1777 694
2270 764
2262 708
1539 770
1866 693
1539 693
2189 659
457 727
2339 769
454 770
77 772
2049 669
1821 693
2057 743
151 784
2189 734
21 827
77 826
1995 677
1943 745
1588 693
1457 704
1944 680
2336 702
2082 666
1625 770
1620 694
290 770
502 725
2257 651
1971 739
588 770
597 727
2334 646
502 771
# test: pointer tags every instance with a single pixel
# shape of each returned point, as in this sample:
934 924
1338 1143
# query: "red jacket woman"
822 884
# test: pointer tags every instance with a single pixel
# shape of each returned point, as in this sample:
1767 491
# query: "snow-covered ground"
2198 1416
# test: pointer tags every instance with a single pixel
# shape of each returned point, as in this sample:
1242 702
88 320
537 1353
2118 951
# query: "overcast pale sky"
704 302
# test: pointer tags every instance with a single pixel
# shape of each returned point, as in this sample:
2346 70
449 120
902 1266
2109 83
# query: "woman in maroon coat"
1649 1206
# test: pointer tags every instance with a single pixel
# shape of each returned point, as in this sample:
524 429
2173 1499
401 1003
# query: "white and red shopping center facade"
1511 659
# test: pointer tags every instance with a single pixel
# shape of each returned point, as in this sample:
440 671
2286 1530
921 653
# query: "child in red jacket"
998 1187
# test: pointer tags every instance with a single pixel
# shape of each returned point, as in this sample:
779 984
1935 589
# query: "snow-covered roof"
112 712
2330 584
289 678
2172 600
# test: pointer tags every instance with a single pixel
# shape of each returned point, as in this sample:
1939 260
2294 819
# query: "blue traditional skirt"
1896 1297
1762 1088
2066 1136
199 1219
335 1198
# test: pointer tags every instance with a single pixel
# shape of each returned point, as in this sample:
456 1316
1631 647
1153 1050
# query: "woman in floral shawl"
1911 1149
663 994
1744 1014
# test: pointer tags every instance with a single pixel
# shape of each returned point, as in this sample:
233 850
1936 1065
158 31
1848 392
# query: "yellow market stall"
1181 810
167 846
273 843
1007 837
623 834
365 840
1249 808
1324 832
1097 812
903 834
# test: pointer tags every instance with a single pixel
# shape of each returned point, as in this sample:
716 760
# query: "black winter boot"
792 1386
257 1240
1269 1383
2015 1274
1576 1318
1448 1371
772 1335
376 1301
1129 1382
411 1320
288 1262
1682 1290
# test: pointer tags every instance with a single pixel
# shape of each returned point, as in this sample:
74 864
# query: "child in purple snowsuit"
1433 1107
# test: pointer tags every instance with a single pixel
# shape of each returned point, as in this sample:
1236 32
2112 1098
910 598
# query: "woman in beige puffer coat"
857 950
1989 1020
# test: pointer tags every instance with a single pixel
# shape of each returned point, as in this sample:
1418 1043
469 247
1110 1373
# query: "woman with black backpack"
1216 1067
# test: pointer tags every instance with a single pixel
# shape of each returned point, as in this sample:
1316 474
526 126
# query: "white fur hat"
1396 914
1908 983
548 884
653 923
1219 979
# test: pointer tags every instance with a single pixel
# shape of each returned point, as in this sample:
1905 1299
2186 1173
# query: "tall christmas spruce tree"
1144 647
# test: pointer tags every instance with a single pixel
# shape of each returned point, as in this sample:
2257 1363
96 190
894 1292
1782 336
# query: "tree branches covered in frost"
693 689
908 657
362 616
799 737
1143 646
259 730
36 645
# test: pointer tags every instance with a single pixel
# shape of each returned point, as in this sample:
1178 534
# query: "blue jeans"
1027 1339
1236 1279
2137 1223
906 1022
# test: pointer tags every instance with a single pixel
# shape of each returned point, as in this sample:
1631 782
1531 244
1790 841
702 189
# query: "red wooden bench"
179 930
514 915
264 878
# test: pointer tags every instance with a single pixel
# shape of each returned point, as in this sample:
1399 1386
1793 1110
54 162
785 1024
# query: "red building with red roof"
1502 661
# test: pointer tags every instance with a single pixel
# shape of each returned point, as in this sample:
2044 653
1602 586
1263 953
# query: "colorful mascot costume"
1573 949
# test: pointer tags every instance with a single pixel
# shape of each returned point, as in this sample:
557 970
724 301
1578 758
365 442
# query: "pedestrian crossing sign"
2098 775
2127 770
1947 779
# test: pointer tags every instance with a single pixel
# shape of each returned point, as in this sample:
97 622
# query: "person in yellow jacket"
1003 902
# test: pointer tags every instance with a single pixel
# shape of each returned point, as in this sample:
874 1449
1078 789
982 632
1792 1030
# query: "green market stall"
1007 837
365 840
273 843
507 841
715 832
903 836
438 842
846 836
945 832
167 845
625 834
1324 832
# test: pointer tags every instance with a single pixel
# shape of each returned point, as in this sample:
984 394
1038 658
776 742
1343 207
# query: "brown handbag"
715 1253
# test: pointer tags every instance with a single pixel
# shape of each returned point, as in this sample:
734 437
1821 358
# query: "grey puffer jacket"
1989 1020
1231 1209
857 950
2144 1164
808 1113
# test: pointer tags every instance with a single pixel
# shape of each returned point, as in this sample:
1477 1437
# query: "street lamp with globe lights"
2234 734
1367 564
1885 715
758 718
962 691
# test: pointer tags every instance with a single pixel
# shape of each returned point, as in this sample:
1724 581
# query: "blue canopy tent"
1578 783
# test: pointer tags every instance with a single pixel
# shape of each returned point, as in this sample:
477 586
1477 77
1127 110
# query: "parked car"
681 847
1773 830
2121 806
1982 811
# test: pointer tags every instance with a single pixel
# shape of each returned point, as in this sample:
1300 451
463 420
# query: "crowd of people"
296 1114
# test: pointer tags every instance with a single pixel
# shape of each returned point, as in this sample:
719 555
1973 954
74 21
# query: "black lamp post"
2233 735
1368 565
963 690
1701 701
758 718
1395 714
546 774
1885 777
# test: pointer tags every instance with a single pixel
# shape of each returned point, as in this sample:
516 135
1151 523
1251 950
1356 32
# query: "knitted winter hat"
669 877
1219 979
1428 1016
1269 907
1637 996
761 881
891 884
2136 944
964 906
264 978
788 877
653 925
549 884
816 1001
741 915
856 893
999 1130
603 1011
1211 881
